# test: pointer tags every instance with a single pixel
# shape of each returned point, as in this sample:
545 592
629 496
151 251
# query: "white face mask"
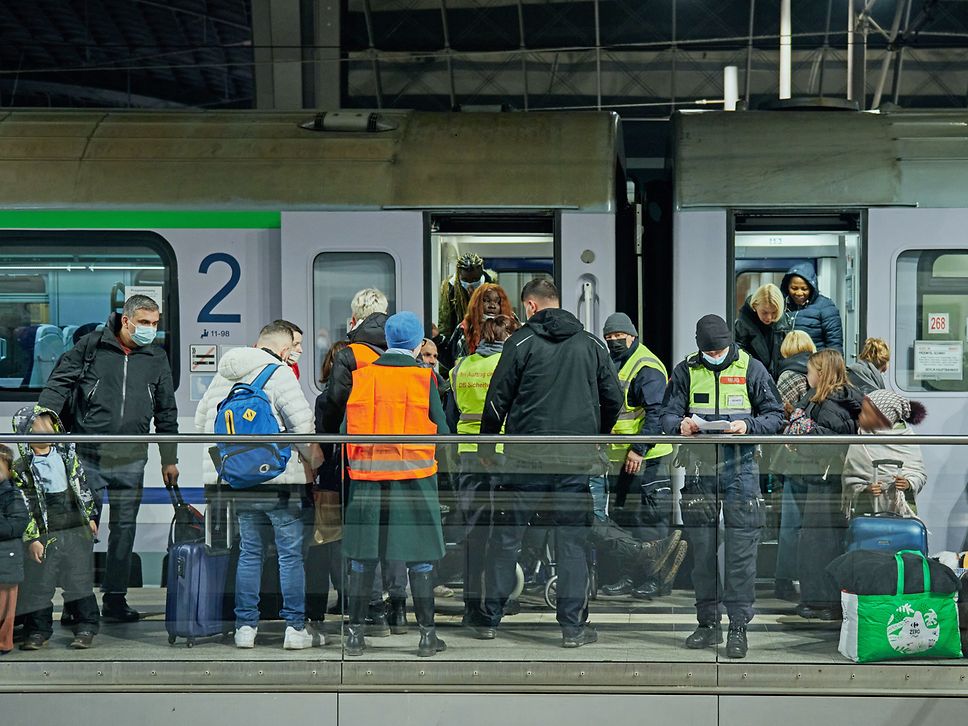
715 361
293 358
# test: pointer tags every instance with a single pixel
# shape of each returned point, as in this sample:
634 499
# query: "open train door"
328 256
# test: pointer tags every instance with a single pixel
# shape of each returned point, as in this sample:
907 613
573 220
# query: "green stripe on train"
136 219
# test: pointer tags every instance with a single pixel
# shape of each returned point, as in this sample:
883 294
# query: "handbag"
328 520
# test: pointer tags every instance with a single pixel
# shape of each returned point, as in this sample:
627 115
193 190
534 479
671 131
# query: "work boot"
655 554
359 585
422 587
616 589
397 615
672 569
705 635
577 637
736 645
115 607
375 624
647 590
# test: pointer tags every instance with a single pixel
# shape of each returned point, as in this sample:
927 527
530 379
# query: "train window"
337 276
55 287
931 320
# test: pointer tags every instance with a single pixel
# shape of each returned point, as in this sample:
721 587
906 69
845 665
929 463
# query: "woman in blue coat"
809 311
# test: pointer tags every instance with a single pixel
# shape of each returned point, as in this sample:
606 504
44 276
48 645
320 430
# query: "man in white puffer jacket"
272 509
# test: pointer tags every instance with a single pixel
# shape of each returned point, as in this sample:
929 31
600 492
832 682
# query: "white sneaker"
245 636
297 639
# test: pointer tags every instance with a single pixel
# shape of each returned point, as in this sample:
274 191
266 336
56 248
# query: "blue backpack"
247 410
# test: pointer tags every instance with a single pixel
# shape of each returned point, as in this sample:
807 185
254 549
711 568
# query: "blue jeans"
599 489
282 520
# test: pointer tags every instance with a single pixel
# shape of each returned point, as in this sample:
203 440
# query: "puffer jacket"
13 522
859 471
759 340
819 317
292 411
864 376
25 477
370 333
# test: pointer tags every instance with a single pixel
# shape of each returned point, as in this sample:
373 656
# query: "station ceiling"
642 57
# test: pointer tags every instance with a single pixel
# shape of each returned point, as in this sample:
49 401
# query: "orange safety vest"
390 400
363 354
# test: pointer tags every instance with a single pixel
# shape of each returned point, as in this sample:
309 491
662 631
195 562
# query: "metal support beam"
278 54
450 59
672 76
825 48
749 55
598 56
785 50
890 52
327 73
522 44
374 60
857 51
896 84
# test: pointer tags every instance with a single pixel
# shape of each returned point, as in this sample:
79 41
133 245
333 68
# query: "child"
60 533
13 522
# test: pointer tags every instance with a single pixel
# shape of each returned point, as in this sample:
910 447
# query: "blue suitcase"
888 532
196 589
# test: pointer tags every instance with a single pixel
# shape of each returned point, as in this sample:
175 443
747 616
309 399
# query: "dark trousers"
475 498
821 541
124 483
566 501
68 563
738 497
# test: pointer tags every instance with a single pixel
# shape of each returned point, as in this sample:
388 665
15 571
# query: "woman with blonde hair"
830 406
867 373
759 328
796 349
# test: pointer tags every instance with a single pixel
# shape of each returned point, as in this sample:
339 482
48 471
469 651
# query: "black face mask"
617 347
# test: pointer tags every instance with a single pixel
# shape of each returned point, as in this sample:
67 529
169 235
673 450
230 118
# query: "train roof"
762 159
265 160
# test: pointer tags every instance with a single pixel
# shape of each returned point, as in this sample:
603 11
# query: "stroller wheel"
551 592
518 582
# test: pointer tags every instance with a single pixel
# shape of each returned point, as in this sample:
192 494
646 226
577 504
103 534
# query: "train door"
328 256
765 246
918 301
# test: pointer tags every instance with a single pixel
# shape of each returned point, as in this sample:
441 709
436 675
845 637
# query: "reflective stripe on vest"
730 383
630 419
390 400
363 354
469 381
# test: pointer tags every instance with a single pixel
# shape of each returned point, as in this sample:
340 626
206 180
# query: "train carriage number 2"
207 314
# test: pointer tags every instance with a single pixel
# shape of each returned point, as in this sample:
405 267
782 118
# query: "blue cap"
404 330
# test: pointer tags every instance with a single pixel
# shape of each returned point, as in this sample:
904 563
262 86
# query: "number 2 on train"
207 314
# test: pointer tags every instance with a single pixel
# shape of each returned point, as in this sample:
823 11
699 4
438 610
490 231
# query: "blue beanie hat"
404 330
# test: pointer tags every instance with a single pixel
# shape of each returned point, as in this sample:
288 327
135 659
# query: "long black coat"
13 522
760 341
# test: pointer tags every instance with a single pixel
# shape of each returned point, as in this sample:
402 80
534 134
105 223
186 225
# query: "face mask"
715 361
616 347
293 358
144 334
469 286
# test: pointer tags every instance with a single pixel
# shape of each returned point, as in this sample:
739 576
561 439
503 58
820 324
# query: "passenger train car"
233 219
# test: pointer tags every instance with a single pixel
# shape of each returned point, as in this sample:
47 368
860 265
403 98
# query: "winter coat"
451 310
289 405
454 347
822 465
859 471
553 378
646 391
120 393
26 478
13 522
865 376
412 532
792 382
819 318
759 340
369 332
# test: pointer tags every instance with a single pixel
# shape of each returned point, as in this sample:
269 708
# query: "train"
232 219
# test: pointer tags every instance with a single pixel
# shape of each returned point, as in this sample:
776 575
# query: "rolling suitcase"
887 531
196 588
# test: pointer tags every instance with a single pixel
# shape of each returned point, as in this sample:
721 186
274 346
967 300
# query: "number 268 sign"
938 323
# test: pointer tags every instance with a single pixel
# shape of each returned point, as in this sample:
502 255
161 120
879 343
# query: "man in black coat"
114 381
553 378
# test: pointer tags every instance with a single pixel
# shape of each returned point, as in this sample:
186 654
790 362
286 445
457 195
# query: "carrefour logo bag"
912 625
247 410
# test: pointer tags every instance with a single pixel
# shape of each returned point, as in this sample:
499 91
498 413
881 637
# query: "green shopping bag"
913 625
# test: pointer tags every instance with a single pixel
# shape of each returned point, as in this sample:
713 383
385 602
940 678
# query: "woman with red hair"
488 301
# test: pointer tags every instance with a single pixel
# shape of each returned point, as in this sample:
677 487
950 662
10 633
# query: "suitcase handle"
900 570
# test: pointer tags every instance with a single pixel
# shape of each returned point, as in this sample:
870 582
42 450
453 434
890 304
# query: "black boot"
622 587
736 645
653 555
397 615
376 624
359 585
705 635
422 587
115 607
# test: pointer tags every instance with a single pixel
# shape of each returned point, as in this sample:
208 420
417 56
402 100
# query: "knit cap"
404 330
712 333
619 323
896 408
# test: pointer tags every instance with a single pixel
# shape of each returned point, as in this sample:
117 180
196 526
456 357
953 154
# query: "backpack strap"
263 378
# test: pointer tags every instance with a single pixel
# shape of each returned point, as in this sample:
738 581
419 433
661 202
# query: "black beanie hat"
712 333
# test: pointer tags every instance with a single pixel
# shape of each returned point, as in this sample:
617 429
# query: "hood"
23 421
848 398
796 363
554 324
806 271
488 349
371 331
901 428
240 362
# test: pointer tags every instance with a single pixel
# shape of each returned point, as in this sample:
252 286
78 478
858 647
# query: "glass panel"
51 293
337 277
932 320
